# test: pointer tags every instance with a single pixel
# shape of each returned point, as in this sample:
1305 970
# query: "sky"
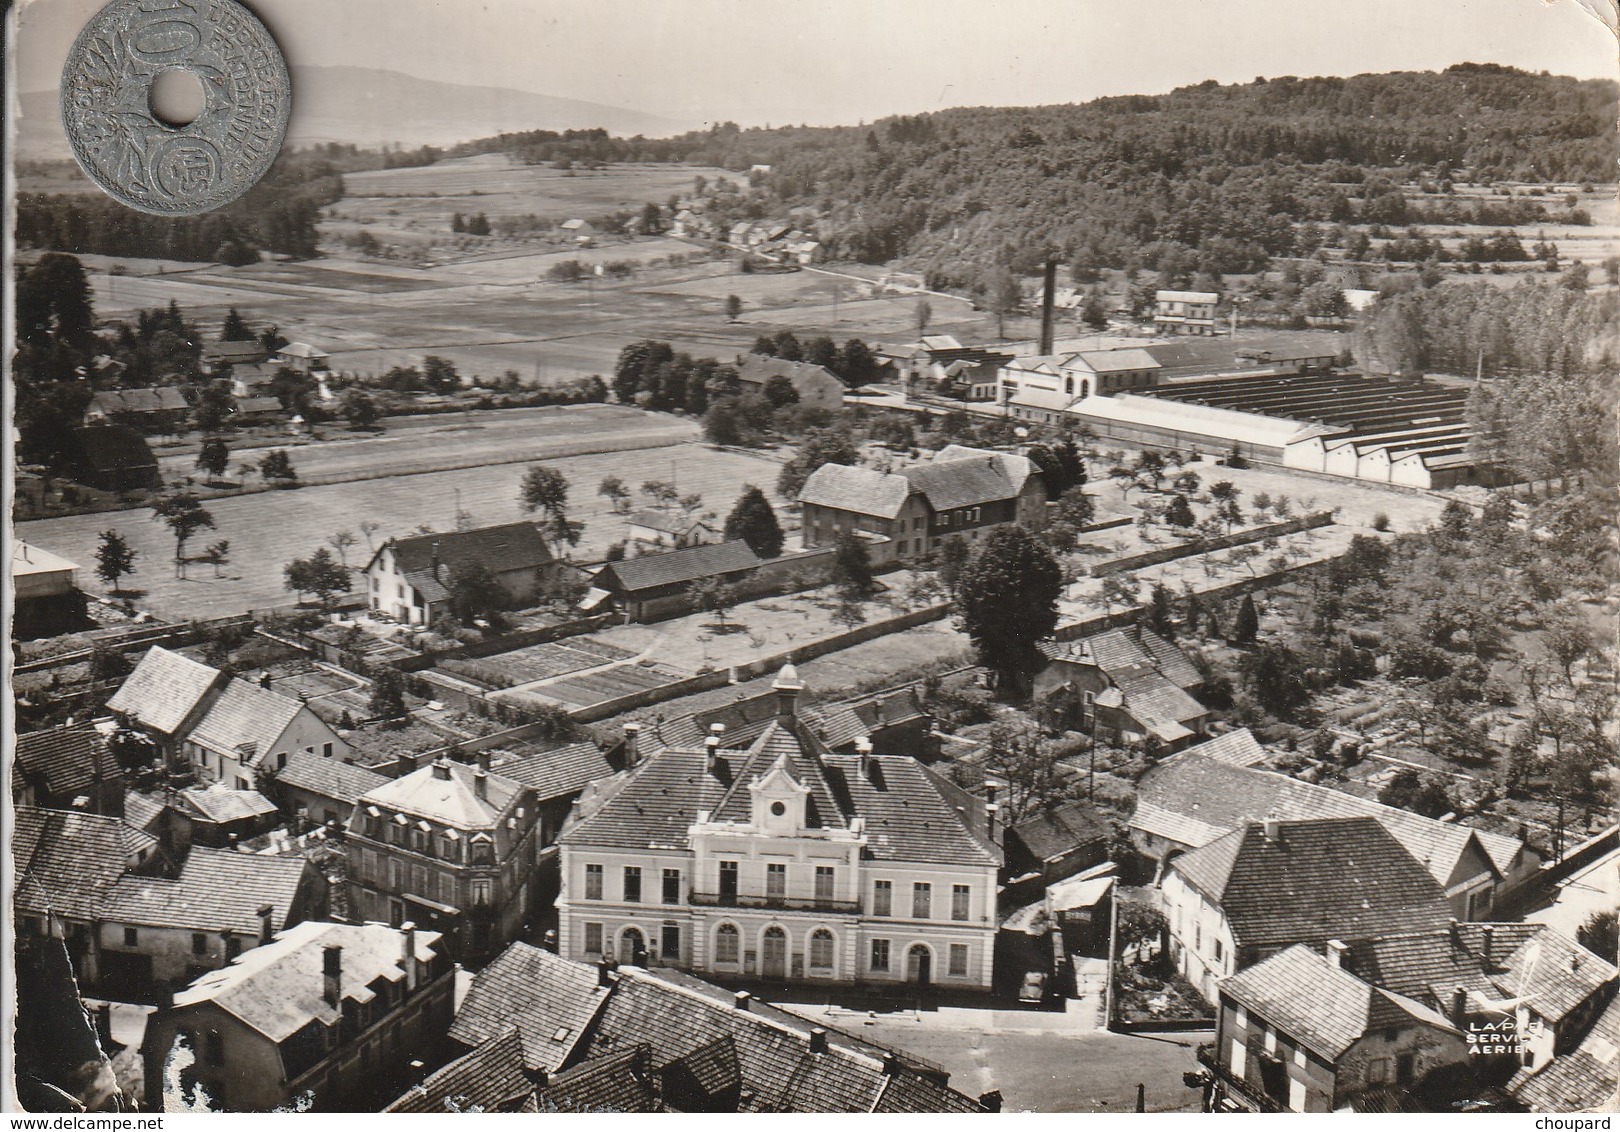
827 62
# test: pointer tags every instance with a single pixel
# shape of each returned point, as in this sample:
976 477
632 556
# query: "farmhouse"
247 731
165 932
1298 1033
1190 800
219 816
669 530
338 1011
302 357
450 845
1272 884
654 586
257 410
165 697
583 232
219 356
45 592
966 492
252 379
161 409
1133 686
115 458
816 385
70 767
785 861
1185 312
410 578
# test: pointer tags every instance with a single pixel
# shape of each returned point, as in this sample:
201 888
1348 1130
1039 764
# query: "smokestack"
1048 297
407 956
332 972
818 1040
1335 952
740 1000
632 737
266 930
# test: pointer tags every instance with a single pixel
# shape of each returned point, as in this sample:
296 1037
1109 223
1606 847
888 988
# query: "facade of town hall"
783 861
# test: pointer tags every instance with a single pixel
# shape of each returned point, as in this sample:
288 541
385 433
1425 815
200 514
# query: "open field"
269 529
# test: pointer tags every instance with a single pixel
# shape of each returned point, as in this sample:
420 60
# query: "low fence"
176 635
1207 546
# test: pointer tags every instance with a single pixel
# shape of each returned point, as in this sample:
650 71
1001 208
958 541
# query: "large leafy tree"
320 574
821 446
474 592
214 457
1006 599
545 490
115 558
184 515
852 569
753 521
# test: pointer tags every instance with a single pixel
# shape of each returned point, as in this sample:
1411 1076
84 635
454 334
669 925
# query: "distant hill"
371 108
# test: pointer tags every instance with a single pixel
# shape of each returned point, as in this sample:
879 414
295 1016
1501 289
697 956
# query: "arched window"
726 944
1085 389
1068 386
821 950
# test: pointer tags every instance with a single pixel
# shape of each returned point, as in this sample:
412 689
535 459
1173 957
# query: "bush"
1380 522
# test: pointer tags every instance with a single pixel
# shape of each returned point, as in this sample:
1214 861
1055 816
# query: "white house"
249 730
783 862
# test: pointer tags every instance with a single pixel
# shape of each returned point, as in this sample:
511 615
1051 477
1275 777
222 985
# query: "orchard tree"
214 457
753 521
359 408
320 574
545 490
340 541
1017 754
613 489
661 492
217 554
821 446
734 308
115 559
852 568
1007 604
711 595
184 515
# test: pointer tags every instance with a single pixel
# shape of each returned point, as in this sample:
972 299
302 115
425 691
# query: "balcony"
774 903
1236 1087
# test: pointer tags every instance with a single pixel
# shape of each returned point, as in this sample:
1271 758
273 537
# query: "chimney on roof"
632 737
863 748
1459 1007
711 747
740 1000
418 1074
407 953
787 686
1048 298
435 560
991 811
1272 825
1335 952
482 758
481 783
891 1063
332 975
818 1040
266 928
407 763
604 974
1486 937
991 1101
1456 932
441 769
264 680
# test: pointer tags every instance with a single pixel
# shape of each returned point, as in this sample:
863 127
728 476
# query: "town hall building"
783 861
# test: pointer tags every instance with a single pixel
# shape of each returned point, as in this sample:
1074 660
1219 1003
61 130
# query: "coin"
139 159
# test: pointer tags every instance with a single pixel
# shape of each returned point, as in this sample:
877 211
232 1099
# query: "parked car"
1033 988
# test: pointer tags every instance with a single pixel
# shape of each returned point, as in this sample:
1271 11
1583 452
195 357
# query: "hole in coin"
177 98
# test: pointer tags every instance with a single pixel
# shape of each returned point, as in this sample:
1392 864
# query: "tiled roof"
160 399
909 1092
550 1000
509 546
163 690
1017 469
616 1082
301 350
1130 648
218 890
65 760
426 585
1425 965
1115 361
756 369
1239 748
675 567
666 521
553 774
864 491
1324 1008
220 803
1186 297
1547 968
245 714
909 813
489 1079
446 792
232 351
779 1073
966 481
1054 833
1584 1079
330 778
67 862
258 405
114 448
142 812
1187 795
1327 878
279 988
1153 700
